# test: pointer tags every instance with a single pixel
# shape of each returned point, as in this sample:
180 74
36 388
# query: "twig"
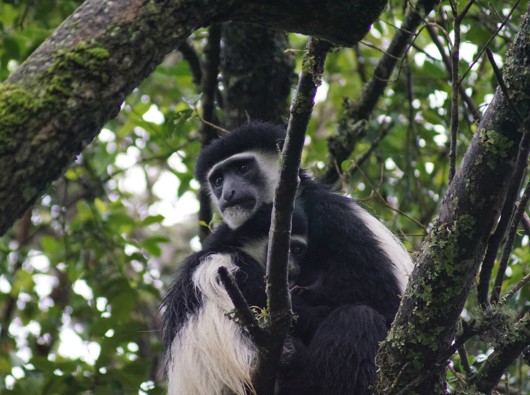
525 280
457 375
464 12
364 157
212 125
447 62
455 59
398 376
470 330
360 63
249 321
526 223
383 200
406 390
212 52
24 228
342 145
188 51
509 244
502 85
501 26
463 359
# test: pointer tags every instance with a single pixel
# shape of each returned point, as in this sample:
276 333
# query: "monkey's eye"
218 181
297 249
242 169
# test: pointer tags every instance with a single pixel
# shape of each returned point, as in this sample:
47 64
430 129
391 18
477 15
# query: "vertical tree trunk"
257 74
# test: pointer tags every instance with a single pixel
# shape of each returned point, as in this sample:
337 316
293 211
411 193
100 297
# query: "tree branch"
188 52
447 265
249 321
513 344
59 98
278 298
455 80
350 129
447 62
258 85
212 52
521 206
207 133
506 218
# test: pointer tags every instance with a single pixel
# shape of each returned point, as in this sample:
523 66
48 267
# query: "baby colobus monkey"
207 351
352 276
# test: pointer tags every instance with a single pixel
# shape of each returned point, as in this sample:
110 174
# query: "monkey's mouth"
246 204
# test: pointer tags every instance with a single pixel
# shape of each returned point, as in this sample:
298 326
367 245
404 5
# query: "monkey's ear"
279 144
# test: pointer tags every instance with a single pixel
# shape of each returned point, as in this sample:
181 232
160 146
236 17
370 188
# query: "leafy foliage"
82 273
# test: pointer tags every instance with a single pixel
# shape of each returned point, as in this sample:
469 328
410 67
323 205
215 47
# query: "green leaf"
152 219
151 245
192 100
50 244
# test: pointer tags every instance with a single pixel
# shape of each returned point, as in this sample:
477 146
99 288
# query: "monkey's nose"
229 195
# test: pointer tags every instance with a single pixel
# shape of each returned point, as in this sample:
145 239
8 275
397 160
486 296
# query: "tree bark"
510 347
58 100
412 358
257 74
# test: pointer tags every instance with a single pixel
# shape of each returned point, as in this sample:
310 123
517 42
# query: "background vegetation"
83 271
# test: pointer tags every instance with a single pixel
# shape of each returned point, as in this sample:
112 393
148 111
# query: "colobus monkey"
354 271
207 352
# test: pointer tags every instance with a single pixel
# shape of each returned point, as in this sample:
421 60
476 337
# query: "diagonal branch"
503 265
448 263
278 298
513 344
249 321
351 129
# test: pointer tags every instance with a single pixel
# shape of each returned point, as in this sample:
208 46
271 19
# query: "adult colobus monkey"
207 351
352 276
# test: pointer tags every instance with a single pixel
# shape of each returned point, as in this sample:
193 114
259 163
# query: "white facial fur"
211 354
269 167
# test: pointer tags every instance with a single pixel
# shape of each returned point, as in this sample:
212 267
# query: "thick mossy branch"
341 21
506 220
58 100
278 299
426 322
513 343
62 95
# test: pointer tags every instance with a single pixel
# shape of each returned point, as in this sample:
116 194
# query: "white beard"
236 216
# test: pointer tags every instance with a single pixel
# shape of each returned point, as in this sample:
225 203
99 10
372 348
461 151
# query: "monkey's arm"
180 301
308 316
344 347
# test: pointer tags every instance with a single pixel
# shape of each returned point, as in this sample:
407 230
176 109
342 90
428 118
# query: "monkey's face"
243 183
297 251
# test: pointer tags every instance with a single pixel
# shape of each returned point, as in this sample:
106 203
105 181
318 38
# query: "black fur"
345 299
346 294
182 300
